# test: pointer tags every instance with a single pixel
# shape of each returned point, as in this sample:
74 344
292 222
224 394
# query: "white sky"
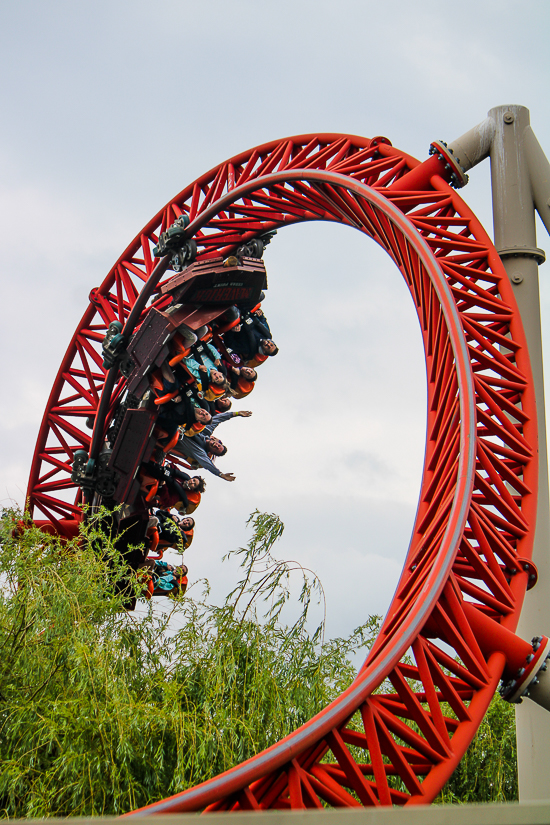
110 108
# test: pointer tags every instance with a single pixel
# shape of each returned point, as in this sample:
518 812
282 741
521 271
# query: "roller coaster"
194 274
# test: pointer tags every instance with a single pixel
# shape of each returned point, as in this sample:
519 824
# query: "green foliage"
102 712
488 771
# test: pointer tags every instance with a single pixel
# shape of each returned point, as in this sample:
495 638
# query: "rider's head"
217 378
248 373
202 416
215 446
268 347
222 404
195 484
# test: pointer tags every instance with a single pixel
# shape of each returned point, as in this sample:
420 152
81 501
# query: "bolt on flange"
454 172
527 677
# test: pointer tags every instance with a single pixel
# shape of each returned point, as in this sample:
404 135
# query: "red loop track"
398 732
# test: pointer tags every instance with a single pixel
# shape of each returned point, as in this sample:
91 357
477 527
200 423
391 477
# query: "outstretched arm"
219 419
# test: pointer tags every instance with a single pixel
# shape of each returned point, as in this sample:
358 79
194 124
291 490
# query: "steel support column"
520 182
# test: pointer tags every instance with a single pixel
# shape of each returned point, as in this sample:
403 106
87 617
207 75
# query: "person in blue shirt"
168 580
198 447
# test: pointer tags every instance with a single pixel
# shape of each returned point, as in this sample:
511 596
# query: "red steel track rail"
398 732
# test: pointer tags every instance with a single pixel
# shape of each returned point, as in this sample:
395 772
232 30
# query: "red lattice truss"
397 733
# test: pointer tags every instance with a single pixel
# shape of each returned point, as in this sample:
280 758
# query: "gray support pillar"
539 175
520 177
515 239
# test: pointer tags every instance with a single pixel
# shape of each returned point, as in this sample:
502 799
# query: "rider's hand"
227 476
244 413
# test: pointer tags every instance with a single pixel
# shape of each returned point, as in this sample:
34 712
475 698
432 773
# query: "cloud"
368 464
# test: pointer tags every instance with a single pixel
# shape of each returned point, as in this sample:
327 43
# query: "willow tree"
103 711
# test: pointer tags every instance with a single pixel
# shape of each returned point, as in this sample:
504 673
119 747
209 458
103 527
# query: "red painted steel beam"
467 567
